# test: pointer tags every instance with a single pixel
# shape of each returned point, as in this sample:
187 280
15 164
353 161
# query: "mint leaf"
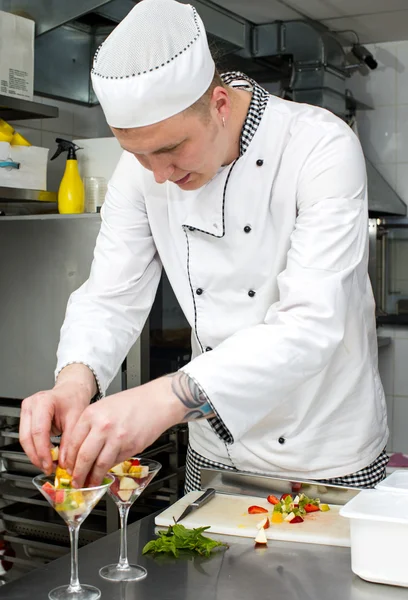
177 537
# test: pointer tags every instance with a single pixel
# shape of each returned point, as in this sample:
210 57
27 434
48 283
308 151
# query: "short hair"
203 103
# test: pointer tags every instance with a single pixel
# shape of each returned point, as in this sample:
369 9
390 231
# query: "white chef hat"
155 64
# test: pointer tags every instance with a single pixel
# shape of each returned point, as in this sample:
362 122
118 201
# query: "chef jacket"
268 262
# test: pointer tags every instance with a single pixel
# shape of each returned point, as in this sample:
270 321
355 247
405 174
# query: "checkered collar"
256 109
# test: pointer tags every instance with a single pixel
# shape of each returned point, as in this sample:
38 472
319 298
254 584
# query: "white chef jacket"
269 264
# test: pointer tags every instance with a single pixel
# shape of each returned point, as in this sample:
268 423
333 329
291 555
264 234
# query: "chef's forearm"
191 397
79 378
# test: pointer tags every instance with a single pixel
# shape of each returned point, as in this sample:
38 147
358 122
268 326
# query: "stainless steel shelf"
16 109
20 195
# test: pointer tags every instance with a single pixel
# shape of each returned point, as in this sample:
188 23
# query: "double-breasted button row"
200 291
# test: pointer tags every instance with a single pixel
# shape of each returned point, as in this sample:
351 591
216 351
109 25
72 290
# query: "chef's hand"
120 426
53 412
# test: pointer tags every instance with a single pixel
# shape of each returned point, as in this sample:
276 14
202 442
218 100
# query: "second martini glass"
131 478
73 505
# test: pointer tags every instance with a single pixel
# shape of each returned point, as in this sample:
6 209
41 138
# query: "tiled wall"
384 130
384 137
74 121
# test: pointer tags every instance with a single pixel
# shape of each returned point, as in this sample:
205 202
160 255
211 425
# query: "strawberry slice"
272 499
296 519
135 462
311 508
285 496
254 510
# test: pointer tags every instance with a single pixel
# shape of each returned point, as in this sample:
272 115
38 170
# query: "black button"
247 228
208 349
259 162
251 293
281 440
192 228
199 291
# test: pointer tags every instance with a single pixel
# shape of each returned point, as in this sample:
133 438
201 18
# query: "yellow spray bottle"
71 195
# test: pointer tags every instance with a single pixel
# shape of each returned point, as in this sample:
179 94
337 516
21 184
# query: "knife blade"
201 500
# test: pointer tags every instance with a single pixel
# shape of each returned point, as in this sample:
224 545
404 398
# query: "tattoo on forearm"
192 396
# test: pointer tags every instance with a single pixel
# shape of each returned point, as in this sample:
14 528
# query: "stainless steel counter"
283 571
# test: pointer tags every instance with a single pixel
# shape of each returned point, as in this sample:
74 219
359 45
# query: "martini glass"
124 490
73 505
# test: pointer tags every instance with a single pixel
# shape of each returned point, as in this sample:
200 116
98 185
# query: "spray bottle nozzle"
66 146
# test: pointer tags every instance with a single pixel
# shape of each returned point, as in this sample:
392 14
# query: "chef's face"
186 149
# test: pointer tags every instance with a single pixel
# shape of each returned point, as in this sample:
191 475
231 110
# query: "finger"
72 440
108 457
86 457
67 453
25 436
41 418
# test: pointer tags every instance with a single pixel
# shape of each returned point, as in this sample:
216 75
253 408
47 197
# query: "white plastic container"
31 173
379 536
396 482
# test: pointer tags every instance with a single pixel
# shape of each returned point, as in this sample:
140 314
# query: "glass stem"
123 559
74 585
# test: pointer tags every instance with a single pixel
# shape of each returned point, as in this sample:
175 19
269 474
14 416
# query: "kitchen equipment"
228 514
397 482
379 533
201 501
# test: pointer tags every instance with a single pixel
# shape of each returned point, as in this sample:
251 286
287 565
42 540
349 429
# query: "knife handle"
204 498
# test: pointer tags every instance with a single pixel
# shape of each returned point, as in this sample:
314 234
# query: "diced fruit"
272 499
253 510
139 471
277 517
261 537
296 519
284 496
59 496
117 469
114 488
125 495
54 454
49 489
296 500
263 524
290 517
128 483
126 465
324 507
62 478
311 508
135 462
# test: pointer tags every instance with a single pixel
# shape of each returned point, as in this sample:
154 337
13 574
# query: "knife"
201 500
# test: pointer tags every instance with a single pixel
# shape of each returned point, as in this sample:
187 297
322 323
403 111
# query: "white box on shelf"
16 56
31 173
378 533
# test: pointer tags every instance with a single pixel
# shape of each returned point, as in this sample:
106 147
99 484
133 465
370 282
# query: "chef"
256 208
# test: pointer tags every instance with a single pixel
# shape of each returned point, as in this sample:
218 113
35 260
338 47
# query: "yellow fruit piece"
277 517
126 466
77 497
54 453
62 478
324 507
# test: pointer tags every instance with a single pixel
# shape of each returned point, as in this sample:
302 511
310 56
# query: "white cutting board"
227 514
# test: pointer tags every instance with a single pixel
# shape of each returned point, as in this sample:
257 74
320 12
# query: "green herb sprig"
177 537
